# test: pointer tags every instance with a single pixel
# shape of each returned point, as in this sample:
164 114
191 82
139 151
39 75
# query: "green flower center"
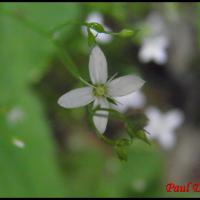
99 91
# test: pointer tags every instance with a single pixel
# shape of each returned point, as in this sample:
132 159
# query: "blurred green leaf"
120 147
29 51
24 56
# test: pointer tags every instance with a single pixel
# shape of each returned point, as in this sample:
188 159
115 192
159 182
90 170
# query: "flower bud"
126 33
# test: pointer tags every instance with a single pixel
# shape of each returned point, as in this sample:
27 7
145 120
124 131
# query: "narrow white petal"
124 85
155 124
100 122
76 98
97 66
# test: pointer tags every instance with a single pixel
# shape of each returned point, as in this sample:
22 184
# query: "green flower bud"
126 33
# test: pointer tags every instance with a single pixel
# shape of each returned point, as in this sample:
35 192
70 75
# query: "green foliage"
32 37
121 148
133 127
24 57
112 178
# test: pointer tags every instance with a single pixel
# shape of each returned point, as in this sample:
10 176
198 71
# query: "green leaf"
91 38
30 51
121 146
135 131
142 135
96 26
111 100
121 153
24 57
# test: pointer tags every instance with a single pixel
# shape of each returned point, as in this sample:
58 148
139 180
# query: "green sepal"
96 26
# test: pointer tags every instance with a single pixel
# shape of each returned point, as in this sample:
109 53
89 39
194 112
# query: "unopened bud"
126 33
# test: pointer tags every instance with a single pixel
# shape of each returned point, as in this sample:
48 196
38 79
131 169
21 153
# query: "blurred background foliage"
62 155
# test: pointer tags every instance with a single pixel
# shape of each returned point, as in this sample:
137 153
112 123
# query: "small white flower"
134 100
101 89
15 115
98 18
154 49
162 126
18 143
139 185
154 45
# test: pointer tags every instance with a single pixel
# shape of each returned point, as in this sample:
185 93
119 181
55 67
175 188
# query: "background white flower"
139 185
154 49
101 89
134 100
154 45
15 115
162 126
98 18
18 143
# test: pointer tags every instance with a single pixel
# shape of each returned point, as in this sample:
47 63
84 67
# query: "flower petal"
133 100
98 66
167 140
124 85
155 124
76 98
174 119
100 122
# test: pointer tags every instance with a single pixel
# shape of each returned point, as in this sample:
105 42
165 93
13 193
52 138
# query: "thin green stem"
106 140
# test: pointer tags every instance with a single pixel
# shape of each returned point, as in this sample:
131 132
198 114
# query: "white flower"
101 89
139 185
162 126
98 18
15 115
154 45
154 49
18 143
134 100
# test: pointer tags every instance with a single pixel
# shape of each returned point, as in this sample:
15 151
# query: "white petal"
174 119
97 66
145 53
124 85
155 124
133 100
76 98
95 17
153 113
167 140
100 122
160 57
104 38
